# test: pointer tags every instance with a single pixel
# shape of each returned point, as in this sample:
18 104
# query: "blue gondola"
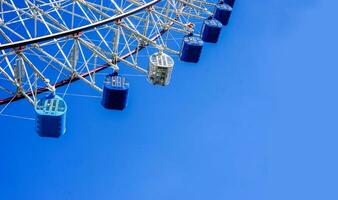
211 30
51 116
222 13
115 92
191 49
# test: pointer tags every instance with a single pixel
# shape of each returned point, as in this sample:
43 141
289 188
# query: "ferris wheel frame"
170 16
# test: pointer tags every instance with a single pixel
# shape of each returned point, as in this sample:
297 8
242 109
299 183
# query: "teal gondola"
51 116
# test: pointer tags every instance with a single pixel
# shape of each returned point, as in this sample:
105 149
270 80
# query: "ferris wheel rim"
23 43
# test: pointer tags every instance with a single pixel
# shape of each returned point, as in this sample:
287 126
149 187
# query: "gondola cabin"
51 116
222 13
160 69
115 92
191 49
211 30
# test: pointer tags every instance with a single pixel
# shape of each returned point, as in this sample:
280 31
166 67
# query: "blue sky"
254 119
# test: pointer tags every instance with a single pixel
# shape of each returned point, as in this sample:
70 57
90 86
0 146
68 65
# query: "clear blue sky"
255 119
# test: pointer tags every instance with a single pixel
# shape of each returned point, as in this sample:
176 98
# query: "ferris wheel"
47 44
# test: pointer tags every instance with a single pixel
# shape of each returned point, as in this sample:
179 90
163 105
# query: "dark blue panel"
115 94
191 49
50 126
211 30
222 13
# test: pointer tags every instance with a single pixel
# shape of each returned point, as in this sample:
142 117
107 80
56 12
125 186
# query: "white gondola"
160 68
